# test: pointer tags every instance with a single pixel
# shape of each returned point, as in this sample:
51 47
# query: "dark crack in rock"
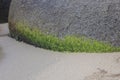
4 10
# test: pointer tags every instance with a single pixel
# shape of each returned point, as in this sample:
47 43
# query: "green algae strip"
67 44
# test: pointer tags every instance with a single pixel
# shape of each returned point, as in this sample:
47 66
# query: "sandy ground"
20 61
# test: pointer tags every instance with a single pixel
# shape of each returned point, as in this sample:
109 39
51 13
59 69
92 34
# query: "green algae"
67 44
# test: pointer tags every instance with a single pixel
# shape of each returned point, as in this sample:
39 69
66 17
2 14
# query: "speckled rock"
97 19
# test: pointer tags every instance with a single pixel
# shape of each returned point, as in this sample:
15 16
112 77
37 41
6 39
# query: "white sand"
4 29
20 61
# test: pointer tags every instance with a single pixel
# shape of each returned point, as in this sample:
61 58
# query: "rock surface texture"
97 19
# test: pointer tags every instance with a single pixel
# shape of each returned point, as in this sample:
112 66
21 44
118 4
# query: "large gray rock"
97 19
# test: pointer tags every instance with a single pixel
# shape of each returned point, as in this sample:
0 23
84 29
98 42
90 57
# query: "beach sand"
21 61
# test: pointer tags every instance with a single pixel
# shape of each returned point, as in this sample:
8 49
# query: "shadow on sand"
1 54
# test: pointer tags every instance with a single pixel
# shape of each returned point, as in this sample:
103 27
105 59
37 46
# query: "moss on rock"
69 43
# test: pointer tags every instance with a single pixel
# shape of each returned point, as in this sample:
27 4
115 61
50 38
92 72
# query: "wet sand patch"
103 75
